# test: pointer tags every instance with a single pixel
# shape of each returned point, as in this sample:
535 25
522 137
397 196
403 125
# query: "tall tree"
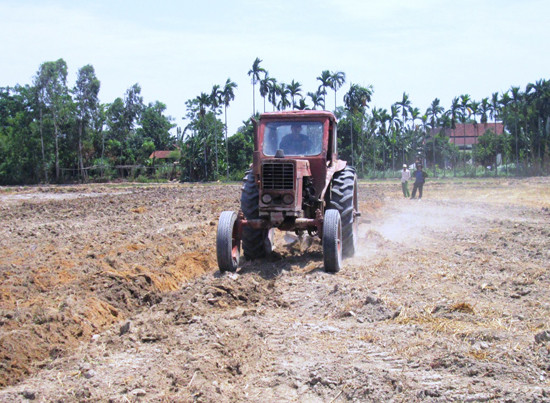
465 109
254 73
405 106
53 76
39 85
454 115
215 102
516 99
294 89
273 89
85 93
356 100
264 87
283 92
154 125
316 99
326 82
338 78
433 112
228 95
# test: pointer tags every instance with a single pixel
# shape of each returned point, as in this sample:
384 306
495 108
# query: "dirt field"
111 293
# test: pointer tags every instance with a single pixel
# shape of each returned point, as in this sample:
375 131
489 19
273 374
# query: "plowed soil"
111 293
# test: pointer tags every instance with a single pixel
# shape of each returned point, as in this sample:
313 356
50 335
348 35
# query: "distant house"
465 135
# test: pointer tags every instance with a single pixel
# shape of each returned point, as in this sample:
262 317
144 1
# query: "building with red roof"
465 135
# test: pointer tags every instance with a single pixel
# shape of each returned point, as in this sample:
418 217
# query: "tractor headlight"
266 198
288 198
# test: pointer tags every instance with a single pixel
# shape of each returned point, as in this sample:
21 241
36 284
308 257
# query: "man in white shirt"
405 176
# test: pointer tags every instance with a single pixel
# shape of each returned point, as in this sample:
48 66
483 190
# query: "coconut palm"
326 82
415 115
273 91
203 101
484 108
215 102
283 92
405 105
516 99
264 87
302 105
228 95
433 112
316 99
454 114
338 78
295 89
465 109
255 72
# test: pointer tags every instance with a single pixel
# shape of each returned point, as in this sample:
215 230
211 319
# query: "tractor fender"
338 166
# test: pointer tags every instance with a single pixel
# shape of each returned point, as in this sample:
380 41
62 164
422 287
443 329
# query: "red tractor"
297 183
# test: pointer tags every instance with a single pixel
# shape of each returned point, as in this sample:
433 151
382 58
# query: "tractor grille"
278 176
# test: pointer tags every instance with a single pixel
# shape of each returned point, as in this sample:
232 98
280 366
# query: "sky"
177 49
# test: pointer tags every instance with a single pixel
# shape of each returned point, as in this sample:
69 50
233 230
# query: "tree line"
52 133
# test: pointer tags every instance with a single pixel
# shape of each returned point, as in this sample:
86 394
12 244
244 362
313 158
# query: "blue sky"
176 50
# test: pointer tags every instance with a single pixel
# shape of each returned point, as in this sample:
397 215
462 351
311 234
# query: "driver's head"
296 129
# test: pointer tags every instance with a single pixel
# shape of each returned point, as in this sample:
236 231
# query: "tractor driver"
295 143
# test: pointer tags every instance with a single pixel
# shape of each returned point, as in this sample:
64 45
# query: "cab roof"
294 115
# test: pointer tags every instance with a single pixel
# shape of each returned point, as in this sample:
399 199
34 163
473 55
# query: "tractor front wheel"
228 244
332 241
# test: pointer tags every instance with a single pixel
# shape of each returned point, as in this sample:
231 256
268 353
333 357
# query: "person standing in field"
419 179
405 176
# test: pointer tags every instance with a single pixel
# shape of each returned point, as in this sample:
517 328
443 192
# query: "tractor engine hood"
281 185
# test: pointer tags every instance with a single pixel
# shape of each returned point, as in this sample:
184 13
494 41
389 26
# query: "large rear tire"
332 241
343 197
256 242
227 242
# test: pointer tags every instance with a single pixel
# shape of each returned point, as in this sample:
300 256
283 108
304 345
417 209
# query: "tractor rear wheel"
256 242
343 197
227 242
332 241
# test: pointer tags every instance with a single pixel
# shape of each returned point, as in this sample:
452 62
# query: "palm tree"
215 102
283 92
516 98
537 95
394 126
228 95
405 106
494 112
302 105
415 115
454 115
484 108
264 87
338 78
465 106
316 99
356 100
326 82
424 118
203 101
254 72
295 89
273 91
433 112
